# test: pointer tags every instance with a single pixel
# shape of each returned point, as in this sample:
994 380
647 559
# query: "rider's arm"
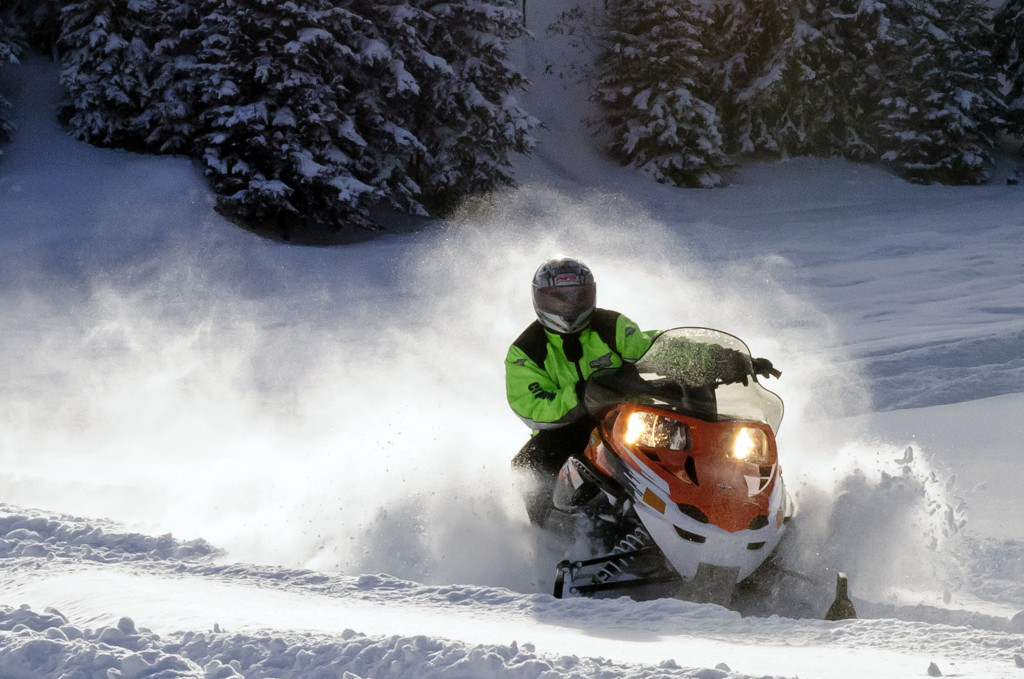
630 340
535 397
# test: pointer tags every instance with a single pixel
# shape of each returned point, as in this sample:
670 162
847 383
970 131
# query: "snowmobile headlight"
651 430
751 445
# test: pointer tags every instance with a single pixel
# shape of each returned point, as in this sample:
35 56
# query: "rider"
547 367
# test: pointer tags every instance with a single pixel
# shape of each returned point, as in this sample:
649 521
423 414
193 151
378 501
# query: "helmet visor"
566 300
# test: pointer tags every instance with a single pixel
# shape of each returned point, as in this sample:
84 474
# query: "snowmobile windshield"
699 372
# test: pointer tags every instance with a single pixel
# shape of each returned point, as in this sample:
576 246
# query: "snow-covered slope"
323 430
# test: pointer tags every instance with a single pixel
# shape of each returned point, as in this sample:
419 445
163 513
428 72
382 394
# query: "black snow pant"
538 462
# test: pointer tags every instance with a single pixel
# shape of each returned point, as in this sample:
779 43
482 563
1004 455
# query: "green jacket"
545 371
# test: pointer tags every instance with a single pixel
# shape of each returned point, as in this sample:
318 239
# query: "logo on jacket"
602 362
541 392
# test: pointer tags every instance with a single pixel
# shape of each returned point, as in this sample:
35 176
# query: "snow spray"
344 409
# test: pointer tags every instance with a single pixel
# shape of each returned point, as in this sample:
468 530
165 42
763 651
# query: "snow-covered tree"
771 62
108 67
395 103
944 109
910 81
169 122
11 47
652 87
465 113
129 72
385 92
305 112
734 58
286 108
853 55
1009 26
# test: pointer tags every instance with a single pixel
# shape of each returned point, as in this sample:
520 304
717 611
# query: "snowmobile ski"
573 569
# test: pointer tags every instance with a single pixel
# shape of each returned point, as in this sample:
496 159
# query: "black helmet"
564 295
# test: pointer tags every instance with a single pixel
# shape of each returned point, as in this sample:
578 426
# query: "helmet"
564 295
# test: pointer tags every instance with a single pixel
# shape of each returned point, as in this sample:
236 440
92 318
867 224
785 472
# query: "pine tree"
944 110
853 55
651 84
129 71
465 114
735 56
1009 26
284 111
10 48
388 89
770 57
169 123
107 69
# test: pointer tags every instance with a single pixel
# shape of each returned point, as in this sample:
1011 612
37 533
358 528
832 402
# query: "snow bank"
34 645
40 535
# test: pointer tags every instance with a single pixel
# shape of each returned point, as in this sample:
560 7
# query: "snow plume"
307 408
874 510
883 516
871 508
181 401
645 268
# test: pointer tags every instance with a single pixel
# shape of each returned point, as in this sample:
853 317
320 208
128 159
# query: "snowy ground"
323 430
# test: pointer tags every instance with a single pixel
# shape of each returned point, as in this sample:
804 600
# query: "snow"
224 456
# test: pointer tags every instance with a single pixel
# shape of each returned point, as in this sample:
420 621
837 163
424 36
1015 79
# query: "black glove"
764 368
739 370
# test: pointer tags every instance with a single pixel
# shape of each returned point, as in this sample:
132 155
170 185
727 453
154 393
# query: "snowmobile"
680 483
